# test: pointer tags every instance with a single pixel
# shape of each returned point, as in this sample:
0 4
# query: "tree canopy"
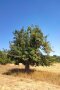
26 46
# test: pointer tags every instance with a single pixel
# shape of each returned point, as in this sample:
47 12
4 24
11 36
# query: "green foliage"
3 58
45 60
55 58
26 43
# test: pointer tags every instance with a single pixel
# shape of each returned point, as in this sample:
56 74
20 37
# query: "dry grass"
13 77
55 68
36 75
47 74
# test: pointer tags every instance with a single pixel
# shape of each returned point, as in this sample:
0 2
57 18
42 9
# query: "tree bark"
27 66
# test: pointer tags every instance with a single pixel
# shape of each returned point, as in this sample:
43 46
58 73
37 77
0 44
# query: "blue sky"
17 13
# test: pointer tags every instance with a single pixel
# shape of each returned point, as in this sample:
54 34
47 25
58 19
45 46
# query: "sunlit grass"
45 76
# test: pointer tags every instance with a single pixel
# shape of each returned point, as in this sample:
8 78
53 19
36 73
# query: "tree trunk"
27 66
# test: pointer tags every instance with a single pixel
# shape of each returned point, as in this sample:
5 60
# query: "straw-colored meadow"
13 77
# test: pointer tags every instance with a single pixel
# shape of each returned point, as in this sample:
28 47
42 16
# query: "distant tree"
3 57
56 58
25 46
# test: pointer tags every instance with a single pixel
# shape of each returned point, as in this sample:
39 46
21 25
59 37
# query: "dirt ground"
11 82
